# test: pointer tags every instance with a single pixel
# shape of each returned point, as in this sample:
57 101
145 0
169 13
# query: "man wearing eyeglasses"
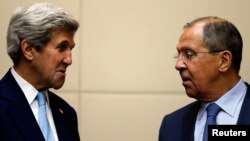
208 60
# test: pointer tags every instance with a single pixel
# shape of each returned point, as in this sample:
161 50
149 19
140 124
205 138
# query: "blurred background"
122 81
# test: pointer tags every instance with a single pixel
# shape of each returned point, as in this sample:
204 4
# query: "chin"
191 94
57 87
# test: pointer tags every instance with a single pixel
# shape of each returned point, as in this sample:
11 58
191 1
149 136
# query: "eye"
62 47
188 54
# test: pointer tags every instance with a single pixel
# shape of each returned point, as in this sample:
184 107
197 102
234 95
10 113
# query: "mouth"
186 83
62 71
185 80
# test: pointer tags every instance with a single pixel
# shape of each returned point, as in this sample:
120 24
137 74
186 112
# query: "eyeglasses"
187 55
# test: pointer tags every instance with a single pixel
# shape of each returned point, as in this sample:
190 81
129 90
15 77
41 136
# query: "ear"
27 49
225 60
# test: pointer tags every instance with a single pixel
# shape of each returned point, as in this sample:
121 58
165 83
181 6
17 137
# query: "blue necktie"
212 111
42 117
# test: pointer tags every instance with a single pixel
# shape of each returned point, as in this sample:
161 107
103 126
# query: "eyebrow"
67 43
185 48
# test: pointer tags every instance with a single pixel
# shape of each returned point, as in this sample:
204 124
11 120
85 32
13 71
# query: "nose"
180 64
68 58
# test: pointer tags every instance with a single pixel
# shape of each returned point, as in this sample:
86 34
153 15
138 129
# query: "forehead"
60 36
191 38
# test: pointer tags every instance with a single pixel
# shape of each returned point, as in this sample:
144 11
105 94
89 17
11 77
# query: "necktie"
212 111
42 117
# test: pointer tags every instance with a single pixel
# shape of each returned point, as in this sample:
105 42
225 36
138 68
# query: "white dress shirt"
30 93
230 103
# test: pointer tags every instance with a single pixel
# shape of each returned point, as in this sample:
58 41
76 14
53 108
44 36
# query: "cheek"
57 59
204 77
53 61
49 66
199 75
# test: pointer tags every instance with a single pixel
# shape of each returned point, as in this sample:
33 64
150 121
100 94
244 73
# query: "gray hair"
36 23
220 34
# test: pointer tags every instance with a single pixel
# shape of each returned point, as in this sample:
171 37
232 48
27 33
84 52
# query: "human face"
200 72
51 63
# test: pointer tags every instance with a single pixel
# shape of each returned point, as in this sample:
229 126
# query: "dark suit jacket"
179 125
18 123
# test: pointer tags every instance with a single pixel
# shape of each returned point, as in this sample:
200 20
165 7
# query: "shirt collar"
229 101
29 91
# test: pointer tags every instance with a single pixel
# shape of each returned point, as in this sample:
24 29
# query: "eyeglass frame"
186 55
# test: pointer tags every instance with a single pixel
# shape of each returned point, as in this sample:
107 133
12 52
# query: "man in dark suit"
40 39
208 60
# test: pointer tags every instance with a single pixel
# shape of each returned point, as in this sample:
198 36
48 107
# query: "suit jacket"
179 125
18 123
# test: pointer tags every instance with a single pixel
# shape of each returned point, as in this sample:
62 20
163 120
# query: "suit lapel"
59 118
189 123
25 121
19 110
244 117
